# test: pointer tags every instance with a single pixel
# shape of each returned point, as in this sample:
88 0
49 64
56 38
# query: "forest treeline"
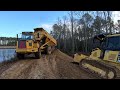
74 32
7 41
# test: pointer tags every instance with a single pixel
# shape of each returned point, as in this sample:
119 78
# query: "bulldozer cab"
99 41
98 46
108 42
113 43
109 47
112 48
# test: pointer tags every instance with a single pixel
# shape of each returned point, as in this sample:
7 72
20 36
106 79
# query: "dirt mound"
55 66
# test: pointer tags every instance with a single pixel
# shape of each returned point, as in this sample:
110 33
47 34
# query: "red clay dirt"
55 66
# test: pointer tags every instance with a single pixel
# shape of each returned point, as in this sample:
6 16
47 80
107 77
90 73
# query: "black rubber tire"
49 50
20 56
53 48
38 55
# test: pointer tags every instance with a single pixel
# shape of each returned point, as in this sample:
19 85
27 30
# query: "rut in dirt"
55 66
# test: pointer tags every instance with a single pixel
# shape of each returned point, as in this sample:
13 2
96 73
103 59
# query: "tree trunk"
72 32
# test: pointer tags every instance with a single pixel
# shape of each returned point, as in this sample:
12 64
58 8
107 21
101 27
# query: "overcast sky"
13 22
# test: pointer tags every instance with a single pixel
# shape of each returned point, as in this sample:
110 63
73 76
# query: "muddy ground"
55 66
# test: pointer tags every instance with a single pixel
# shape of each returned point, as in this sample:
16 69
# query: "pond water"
6 54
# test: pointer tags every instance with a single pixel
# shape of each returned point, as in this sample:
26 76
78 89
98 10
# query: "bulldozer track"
101 65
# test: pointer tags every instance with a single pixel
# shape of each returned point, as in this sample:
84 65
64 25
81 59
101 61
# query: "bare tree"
72 21
64 31
105 16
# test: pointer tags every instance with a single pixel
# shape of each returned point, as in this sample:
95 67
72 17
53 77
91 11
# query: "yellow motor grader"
104 60
35 43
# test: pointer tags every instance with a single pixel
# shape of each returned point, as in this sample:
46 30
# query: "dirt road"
55 66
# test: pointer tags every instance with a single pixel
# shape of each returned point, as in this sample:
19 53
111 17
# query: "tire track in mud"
43 68
15 70
51 61
49 66
4 67
37 70
24 74
68 70
55 66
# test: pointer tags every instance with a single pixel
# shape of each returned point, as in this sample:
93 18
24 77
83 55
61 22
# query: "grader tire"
20 56
53 48
38 55
49 50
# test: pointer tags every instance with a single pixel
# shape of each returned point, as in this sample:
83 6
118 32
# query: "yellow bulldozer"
35 43
104 60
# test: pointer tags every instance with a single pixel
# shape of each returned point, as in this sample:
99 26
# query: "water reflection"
6 54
